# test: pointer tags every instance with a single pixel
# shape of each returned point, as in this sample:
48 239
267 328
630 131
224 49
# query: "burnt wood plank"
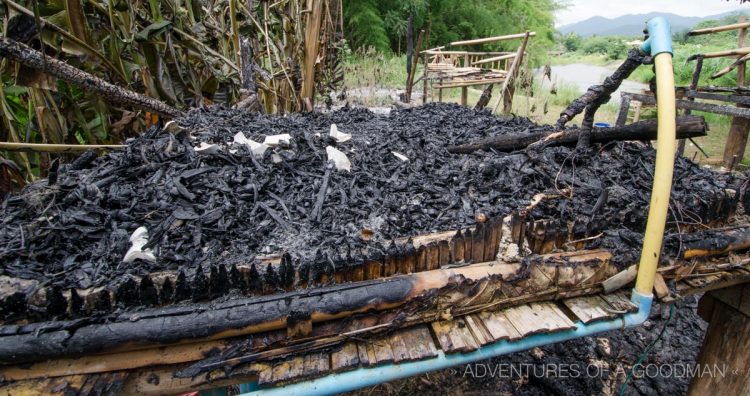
419 343
454 336
382 350
345 358
620 302
589 308
499 326
481 334
398 347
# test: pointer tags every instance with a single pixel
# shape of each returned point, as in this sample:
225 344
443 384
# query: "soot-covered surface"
230 207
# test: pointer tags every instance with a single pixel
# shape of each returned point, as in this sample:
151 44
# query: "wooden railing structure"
445 69
736 143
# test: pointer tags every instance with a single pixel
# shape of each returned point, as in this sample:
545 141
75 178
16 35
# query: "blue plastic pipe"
370 376
659 37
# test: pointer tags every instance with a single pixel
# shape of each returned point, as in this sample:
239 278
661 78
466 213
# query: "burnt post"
734 149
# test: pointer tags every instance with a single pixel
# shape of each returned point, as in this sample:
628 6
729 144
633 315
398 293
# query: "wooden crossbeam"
722 54
494 59
697 106
718 29
493 39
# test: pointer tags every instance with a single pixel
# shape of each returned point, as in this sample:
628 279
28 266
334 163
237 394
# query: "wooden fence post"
508 89
734 149
413 69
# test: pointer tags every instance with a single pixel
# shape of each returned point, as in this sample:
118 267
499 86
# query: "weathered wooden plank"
457 247
499 326
398 347
316 364
528 320
550 317
454 336
477 246
365 354
480 332
265 373
620 302
345 358
419 343
589 308
444 252
382 351
702 281
280 370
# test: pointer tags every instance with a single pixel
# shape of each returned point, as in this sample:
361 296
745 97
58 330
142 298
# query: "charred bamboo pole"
484 99
734 149
687 127
742 112
554 276
32 58
249 91
738 62
718 244
599 94
166 326
507 91
693 86
413 68
56 148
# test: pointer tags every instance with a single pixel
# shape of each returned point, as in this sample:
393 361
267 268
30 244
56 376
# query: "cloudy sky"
579 10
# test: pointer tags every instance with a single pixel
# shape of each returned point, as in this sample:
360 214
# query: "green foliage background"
382 24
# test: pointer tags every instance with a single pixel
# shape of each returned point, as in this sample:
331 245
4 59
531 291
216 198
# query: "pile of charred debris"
228 202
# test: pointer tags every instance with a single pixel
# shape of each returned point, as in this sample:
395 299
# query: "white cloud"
579 10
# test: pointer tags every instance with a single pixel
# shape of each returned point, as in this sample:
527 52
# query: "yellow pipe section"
666 147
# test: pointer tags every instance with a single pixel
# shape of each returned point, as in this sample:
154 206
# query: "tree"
451 20
572 41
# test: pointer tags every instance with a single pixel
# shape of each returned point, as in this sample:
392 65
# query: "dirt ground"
587 366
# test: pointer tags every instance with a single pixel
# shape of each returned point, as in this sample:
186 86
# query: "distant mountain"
632 25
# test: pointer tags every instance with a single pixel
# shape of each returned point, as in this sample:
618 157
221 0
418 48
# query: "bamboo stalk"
492 39
30 57
494 59
56 148
507 91
491 53
312 41
413 70
722 54
718 29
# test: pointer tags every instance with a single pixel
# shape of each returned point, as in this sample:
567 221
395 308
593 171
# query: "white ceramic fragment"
340 137
339 159
275 140
400 156
137 240
205 148
256 148
172 127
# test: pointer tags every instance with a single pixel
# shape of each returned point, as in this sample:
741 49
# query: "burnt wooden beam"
151 328
32 58
698 106
687 127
